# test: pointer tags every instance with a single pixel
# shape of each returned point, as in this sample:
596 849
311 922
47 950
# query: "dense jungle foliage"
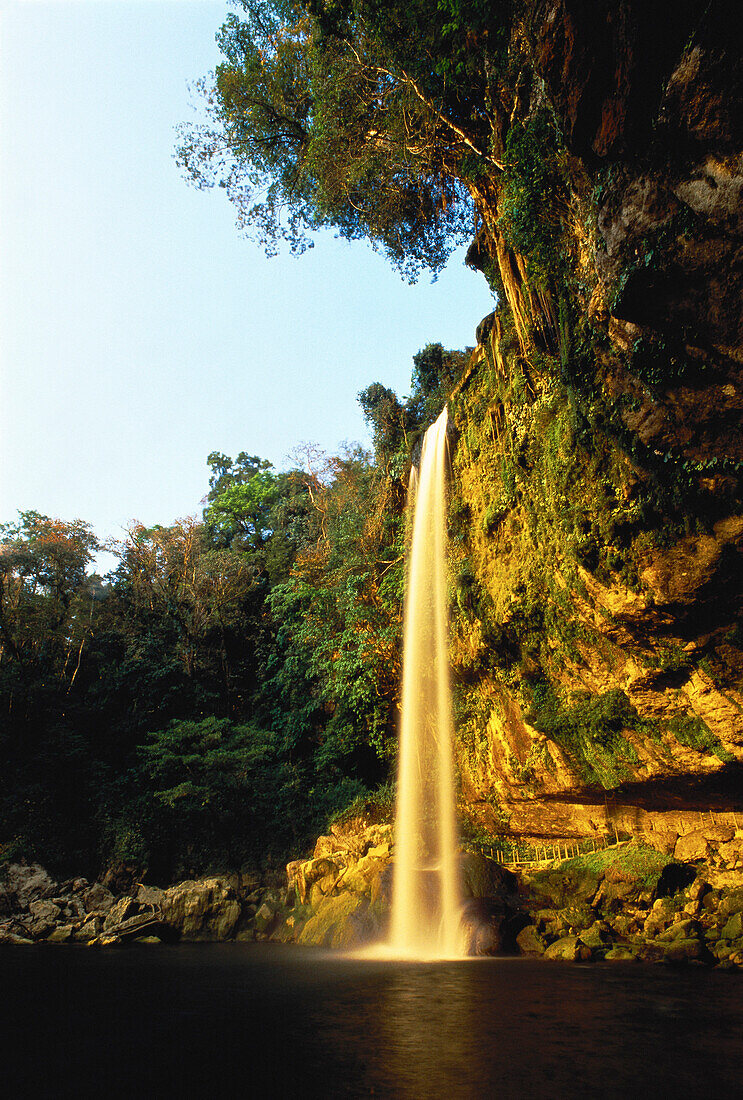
233 682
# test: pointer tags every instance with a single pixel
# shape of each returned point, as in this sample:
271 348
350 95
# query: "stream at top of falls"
248 1020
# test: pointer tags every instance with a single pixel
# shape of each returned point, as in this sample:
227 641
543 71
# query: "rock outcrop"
597 485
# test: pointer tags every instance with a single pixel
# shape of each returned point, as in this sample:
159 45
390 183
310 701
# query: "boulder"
13 937
697 844
683 950
596 936
342 921
263 919
206 909
119 912
485 878
92 928
659 917
63 933
568 948
530 942
97 898
680 930
26 882
733 929
662 839
41 909
620 954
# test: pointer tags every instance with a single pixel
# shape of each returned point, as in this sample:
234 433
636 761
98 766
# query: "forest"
232 684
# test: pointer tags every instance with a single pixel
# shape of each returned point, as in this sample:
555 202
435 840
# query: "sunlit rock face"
598 521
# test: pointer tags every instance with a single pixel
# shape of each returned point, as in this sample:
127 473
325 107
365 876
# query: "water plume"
425 891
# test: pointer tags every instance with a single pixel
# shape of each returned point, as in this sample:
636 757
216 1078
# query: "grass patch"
637 860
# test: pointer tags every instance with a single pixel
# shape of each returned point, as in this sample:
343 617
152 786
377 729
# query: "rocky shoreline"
632 902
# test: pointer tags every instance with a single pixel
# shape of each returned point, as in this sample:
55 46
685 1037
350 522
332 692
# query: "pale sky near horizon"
140 331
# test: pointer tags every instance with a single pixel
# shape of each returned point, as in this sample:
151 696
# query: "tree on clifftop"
375 118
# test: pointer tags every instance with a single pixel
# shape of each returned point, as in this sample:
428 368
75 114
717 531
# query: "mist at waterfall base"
425 894
244 1020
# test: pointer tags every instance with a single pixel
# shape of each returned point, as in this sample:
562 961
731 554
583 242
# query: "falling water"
425 893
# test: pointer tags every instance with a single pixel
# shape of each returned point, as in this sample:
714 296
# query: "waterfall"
425 889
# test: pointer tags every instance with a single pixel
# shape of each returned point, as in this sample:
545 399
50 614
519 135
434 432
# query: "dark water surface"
254 1020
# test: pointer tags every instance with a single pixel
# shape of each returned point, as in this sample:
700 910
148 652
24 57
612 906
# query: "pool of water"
255 1020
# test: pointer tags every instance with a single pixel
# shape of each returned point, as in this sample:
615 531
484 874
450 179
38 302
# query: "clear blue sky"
139 330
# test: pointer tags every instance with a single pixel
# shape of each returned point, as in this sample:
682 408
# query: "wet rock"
339 922
620 953
569 949
205 909
303 874
659 916
595 937
62 934
108 939
679 930
683 950
530 942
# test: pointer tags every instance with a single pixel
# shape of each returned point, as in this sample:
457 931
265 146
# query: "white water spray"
425 890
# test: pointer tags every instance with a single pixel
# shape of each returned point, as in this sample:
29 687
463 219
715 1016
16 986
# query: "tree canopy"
373 118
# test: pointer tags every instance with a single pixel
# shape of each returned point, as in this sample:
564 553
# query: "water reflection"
245 1020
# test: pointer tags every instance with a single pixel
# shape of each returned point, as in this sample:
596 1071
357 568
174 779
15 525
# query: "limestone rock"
27 882
620 954
206 909
484 878
568 948
733 929
150 895
596 936
119 911
98 898
63 933
264 918
14 938
344 921
697 844
92 928
44 912
530 942
683 950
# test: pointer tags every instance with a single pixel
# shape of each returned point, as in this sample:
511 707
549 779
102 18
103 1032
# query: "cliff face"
597 509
